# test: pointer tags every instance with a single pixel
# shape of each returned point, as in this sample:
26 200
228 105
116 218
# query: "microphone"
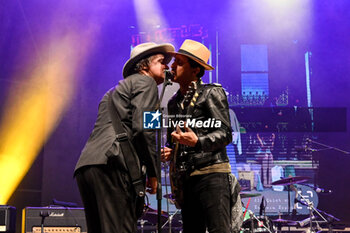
294 211
301 202
321 190
44 214
262 207
306 221
303 149
168 76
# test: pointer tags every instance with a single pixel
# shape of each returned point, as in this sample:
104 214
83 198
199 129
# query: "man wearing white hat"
103 179
206 203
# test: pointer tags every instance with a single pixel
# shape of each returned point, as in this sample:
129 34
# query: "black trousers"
207 204
108 199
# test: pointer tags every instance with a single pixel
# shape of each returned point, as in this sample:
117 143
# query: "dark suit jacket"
134 95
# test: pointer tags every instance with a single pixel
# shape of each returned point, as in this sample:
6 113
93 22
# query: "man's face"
182 70
157 68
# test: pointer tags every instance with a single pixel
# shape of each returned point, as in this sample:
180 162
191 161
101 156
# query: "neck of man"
144 72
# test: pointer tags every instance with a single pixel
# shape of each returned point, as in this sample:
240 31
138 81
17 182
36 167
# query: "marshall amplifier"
56 219
7 219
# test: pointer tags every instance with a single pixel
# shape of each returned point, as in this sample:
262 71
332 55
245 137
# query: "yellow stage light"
35 106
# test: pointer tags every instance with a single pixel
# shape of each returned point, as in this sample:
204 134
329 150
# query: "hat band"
190 54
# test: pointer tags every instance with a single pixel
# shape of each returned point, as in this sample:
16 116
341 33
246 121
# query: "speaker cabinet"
57 219
7 219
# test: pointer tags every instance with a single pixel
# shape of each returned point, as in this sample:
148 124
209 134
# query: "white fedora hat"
146 49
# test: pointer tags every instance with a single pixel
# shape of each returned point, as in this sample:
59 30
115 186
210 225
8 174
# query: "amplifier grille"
57 229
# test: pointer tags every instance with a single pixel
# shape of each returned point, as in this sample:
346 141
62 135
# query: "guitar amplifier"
7 219
247 175
58 219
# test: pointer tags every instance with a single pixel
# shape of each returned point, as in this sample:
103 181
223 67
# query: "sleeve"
217 105
145 98
171 112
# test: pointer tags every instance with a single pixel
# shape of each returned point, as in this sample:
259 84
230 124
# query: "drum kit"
252 223
264 224
170 222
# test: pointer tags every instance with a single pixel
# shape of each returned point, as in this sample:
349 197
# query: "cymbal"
291 180
284 221
246 195
152 217
149 209
169 196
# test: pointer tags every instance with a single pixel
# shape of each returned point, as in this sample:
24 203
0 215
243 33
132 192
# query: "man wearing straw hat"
206 204
103 179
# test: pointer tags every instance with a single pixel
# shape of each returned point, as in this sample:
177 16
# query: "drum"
259 226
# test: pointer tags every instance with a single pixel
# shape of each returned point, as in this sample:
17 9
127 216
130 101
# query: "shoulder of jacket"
139 77
208 87
136 81
212 85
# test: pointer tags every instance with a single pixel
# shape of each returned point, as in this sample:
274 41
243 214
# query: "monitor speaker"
7 219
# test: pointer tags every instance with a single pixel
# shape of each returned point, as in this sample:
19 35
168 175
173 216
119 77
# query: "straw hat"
142 51
196 51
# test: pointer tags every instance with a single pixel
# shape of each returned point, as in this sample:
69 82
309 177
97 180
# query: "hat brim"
164 49
199 61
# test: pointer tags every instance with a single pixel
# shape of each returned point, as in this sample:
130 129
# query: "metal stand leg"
251 223
170 219
252 217
43 215
312 209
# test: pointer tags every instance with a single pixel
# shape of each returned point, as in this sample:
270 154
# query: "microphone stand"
327 147
252 217
312 209
159 136
43 215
